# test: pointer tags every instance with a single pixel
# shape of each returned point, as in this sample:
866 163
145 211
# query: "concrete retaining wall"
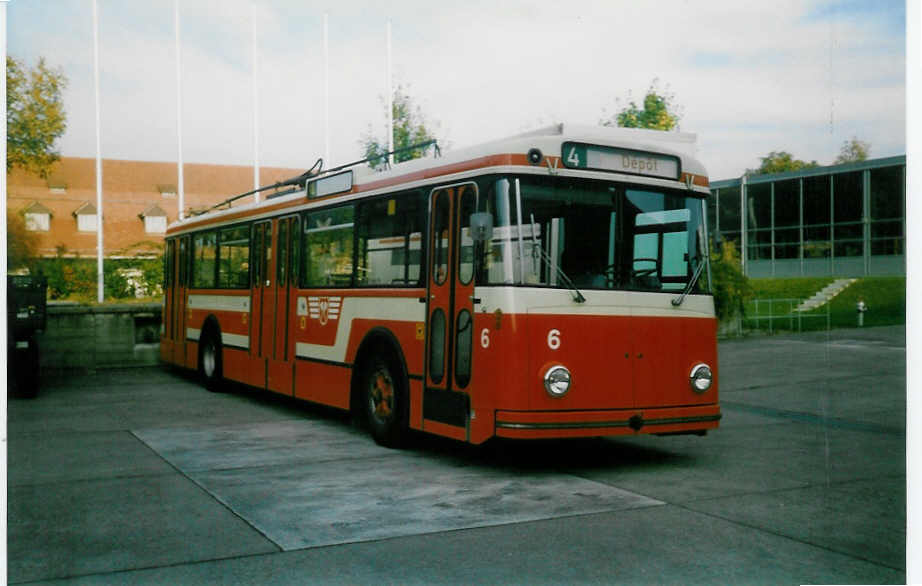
85 338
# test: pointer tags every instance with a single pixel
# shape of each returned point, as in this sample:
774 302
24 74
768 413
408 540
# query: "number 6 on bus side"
485 338
553 339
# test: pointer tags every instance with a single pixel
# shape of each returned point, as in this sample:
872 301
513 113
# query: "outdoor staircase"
825 294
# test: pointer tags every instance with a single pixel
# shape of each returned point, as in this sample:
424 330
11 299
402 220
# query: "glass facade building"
844 220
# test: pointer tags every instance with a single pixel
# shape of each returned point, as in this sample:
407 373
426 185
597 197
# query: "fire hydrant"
860 308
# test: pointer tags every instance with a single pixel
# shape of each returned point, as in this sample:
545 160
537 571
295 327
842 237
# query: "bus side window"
204 260
328 247
168 263
234 258
390 241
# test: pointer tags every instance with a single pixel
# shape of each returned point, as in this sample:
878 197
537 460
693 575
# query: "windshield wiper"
577 296
678 300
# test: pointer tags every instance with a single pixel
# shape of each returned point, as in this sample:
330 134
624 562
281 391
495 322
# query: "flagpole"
4 495
180 184
255 104
100 284
390 97
326 91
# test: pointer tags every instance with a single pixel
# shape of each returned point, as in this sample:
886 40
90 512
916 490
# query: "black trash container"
26 316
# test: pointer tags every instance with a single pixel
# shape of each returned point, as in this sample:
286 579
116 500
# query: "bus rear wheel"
210 363
384 397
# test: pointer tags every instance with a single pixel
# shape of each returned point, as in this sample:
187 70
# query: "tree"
853 151
22 245
410 128
780 162
731 288
659 111
35 116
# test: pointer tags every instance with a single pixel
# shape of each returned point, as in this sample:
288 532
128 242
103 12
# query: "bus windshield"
600 235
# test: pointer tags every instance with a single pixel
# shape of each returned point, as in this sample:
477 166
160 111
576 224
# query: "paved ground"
142 477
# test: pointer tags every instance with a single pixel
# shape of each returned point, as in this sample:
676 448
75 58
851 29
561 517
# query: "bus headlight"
700 378
557 381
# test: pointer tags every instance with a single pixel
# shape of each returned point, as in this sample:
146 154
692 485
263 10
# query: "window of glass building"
887 210
729 209
848 232
759 206
816 217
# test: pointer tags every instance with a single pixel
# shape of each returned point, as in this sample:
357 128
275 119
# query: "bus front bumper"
559 424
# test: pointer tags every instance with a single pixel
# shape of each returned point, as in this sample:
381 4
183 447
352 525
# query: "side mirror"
482 226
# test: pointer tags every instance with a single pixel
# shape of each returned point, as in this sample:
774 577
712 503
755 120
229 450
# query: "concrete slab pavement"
143 477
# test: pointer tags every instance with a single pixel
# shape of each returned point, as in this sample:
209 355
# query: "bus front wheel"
385 399
210 363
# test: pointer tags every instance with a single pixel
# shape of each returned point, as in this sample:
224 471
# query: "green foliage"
659 111
731 288
853 151
75 278
35 116
410 127
780 162
22 245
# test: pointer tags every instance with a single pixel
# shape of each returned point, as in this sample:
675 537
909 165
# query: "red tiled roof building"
139 199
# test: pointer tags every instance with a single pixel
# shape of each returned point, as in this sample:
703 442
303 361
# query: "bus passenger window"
204 253
234 258
328 247
389 241
466 207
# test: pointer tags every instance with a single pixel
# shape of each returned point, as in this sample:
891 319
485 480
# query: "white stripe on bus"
220 302
373 308
237 340
529 300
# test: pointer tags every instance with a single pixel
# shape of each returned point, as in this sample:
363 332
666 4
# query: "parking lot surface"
143 477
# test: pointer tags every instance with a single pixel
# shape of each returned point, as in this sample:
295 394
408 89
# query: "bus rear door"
181 350
281 360
446 402
263 304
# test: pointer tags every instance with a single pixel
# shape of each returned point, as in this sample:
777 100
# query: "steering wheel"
645 272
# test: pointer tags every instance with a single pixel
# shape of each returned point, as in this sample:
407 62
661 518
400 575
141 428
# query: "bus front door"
281 361
446 402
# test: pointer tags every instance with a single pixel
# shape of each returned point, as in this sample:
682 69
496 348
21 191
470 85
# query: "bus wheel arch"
210 359
380 396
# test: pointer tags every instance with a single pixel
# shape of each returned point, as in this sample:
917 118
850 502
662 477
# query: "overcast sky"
750 77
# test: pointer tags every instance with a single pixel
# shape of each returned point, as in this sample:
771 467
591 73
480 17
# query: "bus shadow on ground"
330 483
523 455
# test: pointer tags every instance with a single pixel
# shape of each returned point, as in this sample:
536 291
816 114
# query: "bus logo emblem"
324 309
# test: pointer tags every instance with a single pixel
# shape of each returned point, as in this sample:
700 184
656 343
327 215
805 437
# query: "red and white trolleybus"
552 284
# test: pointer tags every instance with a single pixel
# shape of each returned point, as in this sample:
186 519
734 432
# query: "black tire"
209 362
384 396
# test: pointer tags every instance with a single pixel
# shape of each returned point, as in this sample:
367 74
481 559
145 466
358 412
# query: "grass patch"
885 298
791 288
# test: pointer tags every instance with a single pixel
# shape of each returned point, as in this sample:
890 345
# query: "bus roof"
509 151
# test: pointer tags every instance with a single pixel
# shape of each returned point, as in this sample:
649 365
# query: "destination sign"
604 158
339 183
